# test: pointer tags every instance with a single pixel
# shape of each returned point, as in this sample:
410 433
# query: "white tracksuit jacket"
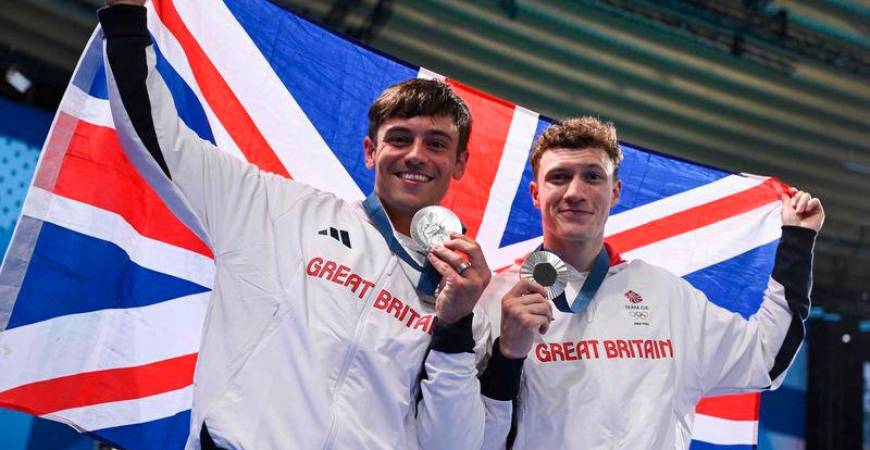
315 337
627 372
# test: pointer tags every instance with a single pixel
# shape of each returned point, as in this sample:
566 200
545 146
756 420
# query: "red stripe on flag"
92 388
96 171
697 217
731 407
491 122
220 97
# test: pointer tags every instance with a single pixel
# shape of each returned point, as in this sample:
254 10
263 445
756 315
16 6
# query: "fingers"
792 200
525 286
444 265
533 311
453 253
801 202
454 260
803 210
524 300
461 279
450 266
814 205
540 309
536 323
464 244
533 323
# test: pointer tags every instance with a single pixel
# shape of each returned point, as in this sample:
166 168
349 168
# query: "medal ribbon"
590 286
429 277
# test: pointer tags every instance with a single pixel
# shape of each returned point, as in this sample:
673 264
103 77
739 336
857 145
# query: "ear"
533 190
369 148
614 195
461 164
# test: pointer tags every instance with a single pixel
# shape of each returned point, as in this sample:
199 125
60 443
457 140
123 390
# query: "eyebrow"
401 129
439 133
568 167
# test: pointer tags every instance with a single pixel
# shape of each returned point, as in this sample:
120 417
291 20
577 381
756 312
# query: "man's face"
575 190
414 160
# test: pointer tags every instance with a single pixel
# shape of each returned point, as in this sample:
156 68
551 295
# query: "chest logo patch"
633 297
638 313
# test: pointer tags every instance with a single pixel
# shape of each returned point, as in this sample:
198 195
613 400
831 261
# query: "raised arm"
214 185
737 354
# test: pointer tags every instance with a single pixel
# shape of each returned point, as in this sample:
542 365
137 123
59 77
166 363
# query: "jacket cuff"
501 379
453 338
793 267
124 20
800 238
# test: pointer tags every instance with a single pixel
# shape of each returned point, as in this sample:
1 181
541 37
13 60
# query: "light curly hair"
578 133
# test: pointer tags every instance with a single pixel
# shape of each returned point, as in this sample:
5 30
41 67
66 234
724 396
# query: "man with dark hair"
314 342
629 348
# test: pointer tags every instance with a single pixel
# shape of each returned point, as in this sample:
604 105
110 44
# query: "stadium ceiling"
768 87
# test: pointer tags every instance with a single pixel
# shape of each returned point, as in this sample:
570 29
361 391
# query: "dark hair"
578 133
420 97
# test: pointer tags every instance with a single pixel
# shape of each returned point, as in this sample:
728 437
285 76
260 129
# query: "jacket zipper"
354 347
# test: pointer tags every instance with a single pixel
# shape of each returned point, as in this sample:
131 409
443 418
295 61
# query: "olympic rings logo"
641 315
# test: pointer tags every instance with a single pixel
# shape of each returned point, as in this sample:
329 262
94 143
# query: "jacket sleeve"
225 193
500 380
500 385
450 413
737 354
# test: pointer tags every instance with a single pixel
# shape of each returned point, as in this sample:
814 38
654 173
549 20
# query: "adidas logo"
338 235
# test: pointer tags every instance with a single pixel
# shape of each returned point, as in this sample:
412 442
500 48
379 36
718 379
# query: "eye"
438 144
558 177
398 140
593 176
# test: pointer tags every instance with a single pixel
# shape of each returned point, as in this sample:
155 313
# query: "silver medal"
546 269
432 225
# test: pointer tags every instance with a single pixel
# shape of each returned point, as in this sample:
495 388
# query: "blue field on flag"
71 273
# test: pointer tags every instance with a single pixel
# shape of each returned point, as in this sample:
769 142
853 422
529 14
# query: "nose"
416 154
575 190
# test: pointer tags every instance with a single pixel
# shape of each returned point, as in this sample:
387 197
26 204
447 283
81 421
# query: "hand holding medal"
525 312
439 231
546 269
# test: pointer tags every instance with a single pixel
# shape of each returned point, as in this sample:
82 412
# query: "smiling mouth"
415 177
575 212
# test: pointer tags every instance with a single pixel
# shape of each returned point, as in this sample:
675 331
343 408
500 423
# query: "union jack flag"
104 288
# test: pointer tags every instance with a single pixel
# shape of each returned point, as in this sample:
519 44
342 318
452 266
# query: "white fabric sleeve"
500 380
499 414
451 413
228 196
737 355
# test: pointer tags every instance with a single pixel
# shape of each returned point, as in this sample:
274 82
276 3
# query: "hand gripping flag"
104 289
